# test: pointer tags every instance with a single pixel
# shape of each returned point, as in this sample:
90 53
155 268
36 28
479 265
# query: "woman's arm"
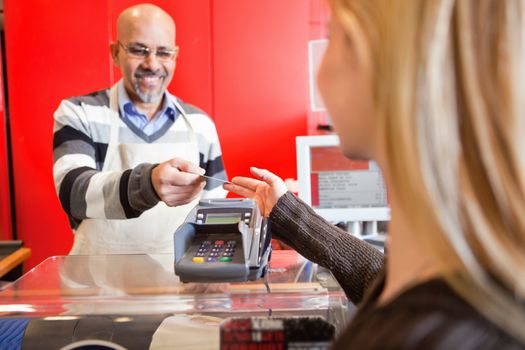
354 263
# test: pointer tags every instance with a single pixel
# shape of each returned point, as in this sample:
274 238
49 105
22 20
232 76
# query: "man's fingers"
186 166
177 189
175 177
179 198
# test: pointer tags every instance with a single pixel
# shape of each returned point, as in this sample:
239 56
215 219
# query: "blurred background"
245 63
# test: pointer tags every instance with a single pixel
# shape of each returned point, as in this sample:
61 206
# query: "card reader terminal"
222 240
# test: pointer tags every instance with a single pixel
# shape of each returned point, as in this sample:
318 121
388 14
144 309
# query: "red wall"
5 193
54 50
243 62
260 82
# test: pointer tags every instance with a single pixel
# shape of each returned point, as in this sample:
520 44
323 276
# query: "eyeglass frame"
174 52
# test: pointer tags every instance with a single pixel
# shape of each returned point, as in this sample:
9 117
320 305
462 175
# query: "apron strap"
115 116
192 138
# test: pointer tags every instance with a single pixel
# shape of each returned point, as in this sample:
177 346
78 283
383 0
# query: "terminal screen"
223 218
339 182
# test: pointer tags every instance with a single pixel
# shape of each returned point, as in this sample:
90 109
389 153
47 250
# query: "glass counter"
146 284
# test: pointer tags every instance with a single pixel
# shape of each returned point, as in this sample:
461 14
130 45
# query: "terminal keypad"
212 251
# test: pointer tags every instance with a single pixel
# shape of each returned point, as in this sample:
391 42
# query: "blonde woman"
433 91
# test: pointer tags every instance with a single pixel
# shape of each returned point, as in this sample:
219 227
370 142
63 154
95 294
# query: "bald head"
145 17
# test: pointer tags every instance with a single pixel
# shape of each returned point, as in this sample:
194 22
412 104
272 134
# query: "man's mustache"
142 73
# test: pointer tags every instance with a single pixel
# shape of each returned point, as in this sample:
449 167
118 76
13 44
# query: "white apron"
151 232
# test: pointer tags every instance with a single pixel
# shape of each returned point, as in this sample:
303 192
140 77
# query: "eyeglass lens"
140 51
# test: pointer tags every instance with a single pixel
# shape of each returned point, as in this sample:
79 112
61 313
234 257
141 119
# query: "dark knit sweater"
429 315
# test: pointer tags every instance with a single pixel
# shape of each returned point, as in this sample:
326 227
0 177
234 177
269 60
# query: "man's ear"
114 50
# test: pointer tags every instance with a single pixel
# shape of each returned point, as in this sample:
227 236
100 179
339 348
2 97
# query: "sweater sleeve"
210 154
83 189
354 263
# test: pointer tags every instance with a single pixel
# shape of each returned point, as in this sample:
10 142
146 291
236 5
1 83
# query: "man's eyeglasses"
141 51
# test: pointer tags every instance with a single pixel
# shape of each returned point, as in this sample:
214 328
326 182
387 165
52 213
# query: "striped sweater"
81 135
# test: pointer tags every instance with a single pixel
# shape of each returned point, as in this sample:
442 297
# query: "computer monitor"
338 188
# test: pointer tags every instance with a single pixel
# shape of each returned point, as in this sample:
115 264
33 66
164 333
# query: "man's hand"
177 181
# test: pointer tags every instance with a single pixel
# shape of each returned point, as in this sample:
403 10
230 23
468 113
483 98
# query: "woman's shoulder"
428 316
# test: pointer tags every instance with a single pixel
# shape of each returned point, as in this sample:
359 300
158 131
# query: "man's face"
145 78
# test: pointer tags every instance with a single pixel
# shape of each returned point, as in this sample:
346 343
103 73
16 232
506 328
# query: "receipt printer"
222 240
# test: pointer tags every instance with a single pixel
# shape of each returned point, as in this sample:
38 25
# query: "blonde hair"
448 85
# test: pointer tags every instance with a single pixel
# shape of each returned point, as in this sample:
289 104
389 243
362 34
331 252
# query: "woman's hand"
266 189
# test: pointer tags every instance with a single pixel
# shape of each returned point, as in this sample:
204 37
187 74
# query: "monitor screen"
338 188
339 182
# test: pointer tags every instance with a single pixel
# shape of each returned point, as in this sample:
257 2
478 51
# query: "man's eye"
164 53
138 51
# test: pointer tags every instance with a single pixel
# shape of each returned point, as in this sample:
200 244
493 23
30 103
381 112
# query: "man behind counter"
125 158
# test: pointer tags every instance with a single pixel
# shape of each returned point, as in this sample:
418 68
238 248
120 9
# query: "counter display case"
76 295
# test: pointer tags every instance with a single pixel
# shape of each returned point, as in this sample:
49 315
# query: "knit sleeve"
83 189
354 263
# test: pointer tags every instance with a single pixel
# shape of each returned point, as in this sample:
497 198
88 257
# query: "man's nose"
151 61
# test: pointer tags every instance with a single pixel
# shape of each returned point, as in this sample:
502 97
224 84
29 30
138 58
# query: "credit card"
215 179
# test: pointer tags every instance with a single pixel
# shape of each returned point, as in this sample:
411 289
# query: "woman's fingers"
240 190
275 182
246 182
265 175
